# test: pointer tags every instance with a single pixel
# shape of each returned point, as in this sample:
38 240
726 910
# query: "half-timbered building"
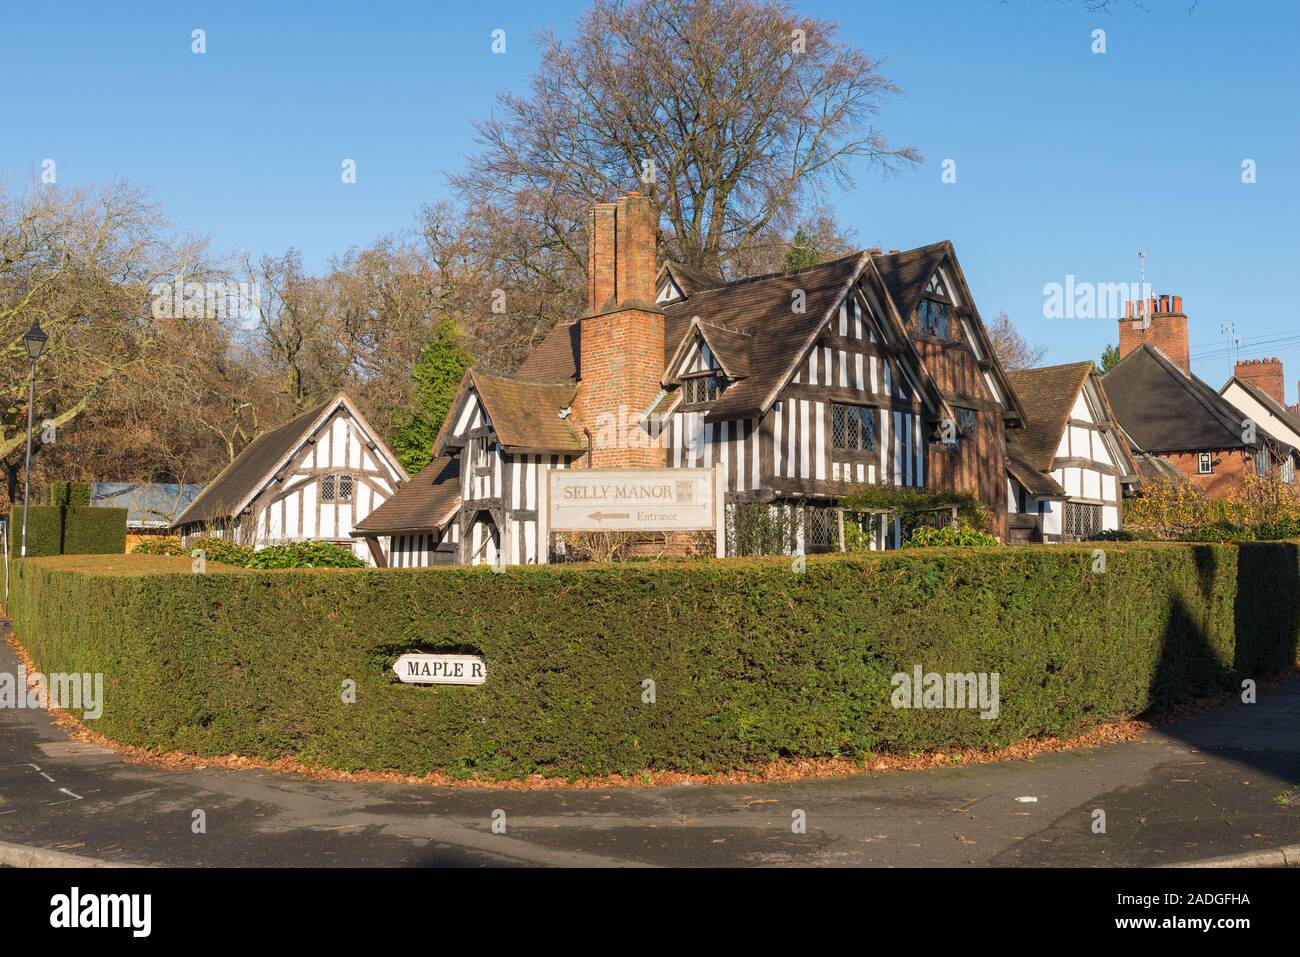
874 368
1071 463
315 478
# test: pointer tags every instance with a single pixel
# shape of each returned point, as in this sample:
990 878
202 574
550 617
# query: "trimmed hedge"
750 660
68 493
69 530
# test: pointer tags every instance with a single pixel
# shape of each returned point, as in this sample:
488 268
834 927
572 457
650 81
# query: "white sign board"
441 669
633 500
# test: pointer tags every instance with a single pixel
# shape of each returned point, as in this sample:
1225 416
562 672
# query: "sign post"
635 500
421 669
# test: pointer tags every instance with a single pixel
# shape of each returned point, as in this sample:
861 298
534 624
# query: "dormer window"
702 389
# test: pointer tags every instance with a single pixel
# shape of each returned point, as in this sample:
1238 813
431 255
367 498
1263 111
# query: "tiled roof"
1166 410
762 307
1036 482
424 504
760 310
555 358
526 415
906 273
1048 395
250 468
691 280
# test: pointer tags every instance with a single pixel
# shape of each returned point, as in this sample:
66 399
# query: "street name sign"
420 669
633 500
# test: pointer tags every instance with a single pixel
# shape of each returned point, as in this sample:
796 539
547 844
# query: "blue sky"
1067 161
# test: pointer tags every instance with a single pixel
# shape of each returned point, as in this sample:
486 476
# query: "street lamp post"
34 342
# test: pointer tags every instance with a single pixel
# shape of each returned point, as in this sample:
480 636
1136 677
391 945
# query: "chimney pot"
1178 304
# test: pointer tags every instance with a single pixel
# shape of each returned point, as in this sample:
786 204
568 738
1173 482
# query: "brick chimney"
1160 322
1265 375
621 336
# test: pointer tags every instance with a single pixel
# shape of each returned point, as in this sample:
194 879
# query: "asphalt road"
1221 783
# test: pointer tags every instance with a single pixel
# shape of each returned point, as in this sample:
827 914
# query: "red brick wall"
1229 469
1263 374
1165 328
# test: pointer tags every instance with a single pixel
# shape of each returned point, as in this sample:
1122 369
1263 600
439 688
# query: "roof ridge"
788 272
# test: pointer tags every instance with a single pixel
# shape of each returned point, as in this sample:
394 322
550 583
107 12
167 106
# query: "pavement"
1222 784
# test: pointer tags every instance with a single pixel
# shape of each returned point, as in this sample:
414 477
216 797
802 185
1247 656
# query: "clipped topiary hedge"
749 660
69 530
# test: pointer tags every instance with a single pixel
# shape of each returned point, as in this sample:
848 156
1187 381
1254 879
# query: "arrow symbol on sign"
601 516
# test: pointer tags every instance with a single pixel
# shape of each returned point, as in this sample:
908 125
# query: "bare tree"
731 115
84 264
1011 348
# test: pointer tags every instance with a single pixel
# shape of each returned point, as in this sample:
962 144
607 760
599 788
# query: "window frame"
702 380
1075 530
1204 463
335 484
865 432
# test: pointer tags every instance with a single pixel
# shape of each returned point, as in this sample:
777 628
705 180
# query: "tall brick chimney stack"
1265 375
1160 322
621 336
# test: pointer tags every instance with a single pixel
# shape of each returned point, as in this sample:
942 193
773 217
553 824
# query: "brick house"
800 387
1171 413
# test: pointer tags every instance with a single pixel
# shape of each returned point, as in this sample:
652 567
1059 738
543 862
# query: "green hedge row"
68 493
69 530
749 660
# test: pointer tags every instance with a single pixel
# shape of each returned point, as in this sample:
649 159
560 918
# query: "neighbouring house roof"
526 414
424 504
234 487
147 504
689 279
1152 468
1288 418
1165 409
1036 482
1048 394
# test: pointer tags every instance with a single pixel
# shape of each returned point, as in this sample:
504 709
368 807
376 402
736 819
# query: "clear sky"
1067 161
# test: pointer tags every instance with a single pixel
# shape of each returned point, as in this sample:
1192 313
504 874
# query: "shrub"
761 528
163 545
923 536
1124 535
304 555
1261 506
1218 532
749 661
906 502
68 493
220 550
69 530
1277 529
